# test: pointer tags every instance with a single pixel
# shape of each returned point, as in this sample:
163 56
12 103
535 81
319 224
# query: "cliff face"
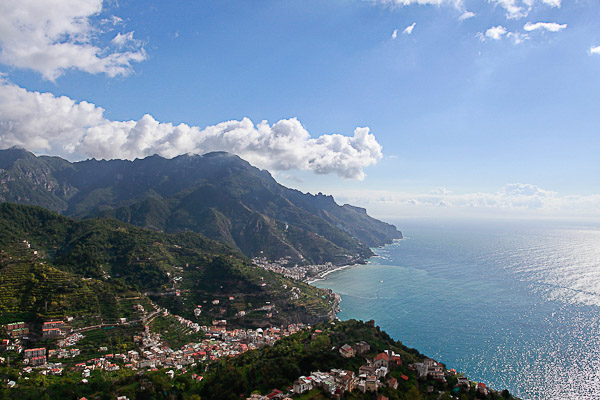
217 194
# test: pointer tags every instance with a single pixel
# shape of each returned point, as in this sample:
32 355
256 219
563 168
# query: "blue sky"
470 108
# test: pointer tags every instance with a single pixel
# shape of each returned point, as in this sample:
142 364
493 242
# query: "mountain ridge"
217 194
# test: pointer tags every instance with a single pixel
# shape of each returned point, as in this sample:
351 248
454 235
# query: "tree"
321 343
413 394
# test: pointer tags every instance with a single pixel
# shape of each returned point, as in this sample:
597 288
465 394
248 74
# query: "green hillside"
52 266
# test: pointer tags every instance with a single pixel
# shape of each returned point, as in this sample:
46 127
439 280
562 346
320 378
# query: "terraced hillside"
99 269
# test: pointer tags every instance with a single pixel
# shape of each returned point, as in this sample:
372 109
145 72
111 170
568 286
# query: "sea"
513 304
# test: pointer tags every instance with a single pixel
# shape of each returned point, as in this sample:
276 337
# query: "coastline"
490 384
322 275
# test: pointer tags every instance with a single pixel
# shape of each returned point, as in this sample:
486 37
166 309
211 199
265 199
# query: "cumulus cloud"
45 123
548 26
395 34
409 29
498 32
51 36
595 50
495 32
466 15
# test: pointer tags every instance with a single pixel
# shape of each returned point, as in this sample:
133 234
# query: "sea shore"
323 274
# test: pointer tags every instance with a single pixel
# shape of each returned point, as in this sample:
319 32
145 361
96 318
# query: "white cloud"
595 50
122 40
395 34
401 3
45 123
440 190
495 32
466 15
552 3
113 20
515 199
548 26
524 189
409 29
52 36
514 9
518 37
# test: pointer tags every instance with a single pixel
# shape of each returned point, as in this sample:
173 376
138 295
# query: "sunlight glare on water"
514 305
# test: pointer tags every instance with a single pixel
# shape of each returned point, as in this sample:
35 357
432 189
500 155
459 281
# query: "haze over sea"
513 304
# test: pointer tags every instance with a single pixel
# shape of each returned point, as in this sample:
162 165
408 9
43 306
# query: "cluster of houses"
338 381
70 340
370 377
17 330
429 369
35 357
64 353
222 342
367 379
303 273
106 363
154 353
47 369
274 395
21 330
52 329
432 369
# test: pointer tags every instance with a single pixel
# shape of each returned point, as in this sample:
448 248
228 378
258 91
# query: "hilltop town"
176 349
150 350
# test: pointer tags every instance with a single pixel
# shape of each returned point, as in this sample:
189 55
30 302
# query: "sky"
409 108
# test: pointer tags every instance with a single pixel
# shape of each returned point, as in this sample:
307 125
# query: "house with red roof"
347 351
274 393
392 383
481 388
303 384
381 360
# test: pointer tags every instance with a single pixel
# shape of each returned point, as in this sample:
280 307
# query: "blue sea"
513 304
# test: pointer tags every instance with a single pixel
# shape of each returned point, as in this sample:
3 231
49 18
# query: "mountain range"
217 194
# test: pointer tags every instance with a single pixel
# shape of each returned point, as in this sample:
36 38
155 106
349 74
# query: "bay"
513 304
